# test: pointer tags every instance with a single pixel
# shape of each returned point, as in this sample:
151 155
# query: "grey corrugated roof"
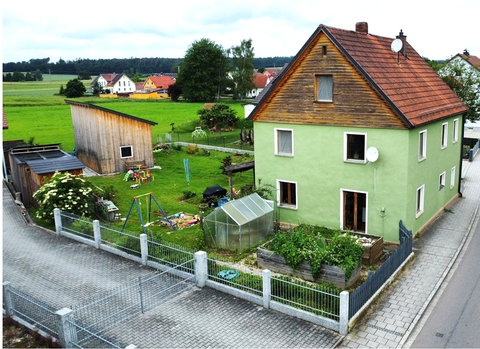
64 163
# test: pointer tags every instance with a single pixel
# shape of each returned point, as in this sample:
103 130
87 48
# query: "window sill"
324 101
443 147
419 213
422 159
285 155
354 161
441 187
451 187
289 207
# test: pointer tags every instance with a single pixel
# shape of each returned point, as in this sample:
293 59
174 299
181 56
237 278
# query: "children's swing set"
135 201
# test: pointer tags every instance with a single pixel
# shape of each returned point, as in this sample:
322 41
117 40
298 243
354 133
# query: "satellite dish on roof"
397 45
372 154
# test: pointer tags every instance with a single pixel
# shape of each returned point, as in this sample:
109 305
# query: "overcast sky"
123 29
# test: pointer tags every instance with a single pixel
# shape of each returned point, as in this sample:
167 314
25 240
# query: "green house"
358 132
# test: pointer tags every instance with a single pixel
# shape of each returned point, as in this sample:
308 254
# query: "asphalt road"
455 319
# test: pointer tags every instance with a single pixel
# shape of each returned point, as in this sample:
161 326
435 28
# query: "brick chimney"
404 41
361 27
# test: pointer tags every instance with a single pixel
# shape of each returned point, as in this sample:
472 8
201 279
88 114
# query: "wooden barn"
105 140
31 165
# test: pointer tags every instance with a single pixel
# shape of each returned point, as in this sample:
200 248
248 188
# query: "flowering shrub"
192 149
67 192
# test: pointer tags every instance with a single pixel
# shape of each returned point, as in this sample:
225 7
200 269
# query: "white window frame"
277 148
345 148
419 201
441 180
444 135
284 205
317 83
455 131
422 148
131 150
342 190
452 177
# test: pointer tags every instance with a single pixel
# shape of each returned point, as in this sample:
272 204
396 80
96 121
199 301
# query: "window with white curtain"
324 88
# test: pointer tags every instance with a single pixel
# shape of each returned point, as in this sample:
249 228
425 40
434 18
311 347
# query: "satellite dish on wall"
397 45
372 154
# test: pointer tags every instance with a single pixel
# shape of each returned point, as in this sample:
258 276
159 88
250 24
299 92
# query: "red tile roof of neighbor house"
473 60
411 85
260 81
162 81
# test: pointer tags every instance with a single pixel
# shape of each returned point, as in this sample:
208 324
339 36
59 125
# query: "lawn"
33 111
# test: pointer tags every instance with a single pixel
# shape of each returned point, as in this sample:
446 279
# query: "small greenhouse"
239 224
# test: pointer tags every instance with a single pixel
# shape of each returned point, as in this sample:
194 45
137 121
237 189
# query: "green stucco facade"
321 174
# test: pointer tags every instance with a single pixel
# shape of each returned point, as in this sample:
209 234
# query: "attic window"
324 88
324 50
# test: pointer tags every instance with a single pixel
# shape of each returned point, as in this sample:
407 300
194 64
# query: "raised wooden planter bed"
372 253
269 260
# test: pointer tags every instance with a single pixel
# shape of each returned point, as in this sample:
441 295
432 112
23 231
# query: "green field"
32 110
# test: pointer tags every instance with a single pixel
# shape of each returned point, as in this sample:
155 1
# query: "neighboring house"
115 83
105 139
248 108
158 82
260 82
272 72
345 99
139 85
31 165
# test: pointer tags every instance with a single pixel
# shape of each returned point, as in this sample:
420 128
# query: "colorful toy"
139 175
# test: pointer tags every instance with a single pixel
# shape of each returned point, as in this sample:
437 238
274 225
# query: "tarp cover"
214 190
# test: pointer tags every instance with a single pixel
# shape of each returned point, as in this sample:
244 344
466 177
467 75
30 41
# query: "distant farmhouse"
105 140
114 83
358 133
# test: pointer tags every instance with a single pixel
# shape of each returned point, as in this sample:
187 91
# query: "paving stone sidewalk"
62 272
391 321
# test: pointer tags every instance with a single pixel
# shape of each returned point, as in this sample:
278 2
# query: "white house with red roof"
114 83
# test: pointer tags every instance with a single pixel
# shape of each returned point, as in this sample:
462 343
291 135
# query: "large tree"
464 80
75 88
242 56
203 71
219 115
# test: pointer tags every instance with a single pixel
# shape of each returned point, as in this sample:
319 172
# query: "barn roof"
88 105
410 86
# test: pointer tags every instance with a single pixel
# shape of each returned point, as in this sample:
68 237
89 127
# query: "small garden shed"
241 223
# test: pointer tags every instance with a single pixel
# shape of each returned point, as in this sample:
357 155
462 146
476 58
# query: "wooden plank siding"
355 102
99 135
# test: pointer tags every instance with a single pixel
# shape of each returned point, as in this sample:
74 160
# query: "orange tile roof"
260 81
413 88
162 81
473 60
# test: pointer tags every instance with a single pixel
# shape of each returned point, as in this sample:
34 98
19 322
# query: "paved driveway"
62 273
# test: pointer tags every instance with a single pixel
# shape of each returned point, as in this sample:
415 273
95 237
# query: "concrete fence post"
97 234
267 287
58 220
7 298
67 333
201 268
344 304
144 248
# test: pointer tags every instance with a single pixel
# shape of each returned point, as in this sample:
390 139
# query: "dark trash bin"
215 191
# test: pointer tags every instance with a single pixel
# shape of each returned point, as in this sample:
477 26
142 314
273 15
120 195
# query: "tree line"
130 66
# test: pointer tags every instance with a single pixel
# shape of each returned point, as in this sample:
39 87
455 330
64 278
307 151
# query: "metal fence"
224 273
78 225
316 299
121 240
374 282
170 255
33 311
101 313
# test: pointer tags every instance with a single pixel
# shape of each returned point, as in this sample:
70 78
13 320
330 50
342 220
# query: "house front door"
354 211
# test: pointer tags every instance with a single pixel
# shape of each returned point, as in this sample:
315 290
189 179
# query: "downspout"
461 157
